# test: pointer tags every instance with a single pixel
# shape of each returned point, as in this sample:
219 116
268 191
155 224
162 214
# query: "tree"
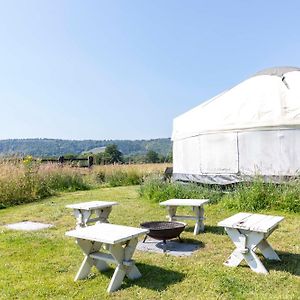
112 154
152 156
169 157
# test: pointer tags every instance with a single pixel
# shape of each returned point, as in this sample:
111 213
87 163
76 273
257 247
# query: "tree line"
57 147
112 155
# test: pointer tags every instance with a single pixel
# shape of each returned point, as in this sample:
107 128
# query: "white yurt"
251 129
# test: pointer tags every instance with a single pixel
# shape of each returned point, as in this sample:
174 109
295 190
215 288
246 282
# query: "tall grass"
122 175
259 195
156 189
248 196
28 181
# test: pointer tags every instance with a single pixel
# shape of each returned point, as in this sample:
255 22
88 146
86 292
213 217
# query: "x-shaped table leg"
89 247
121 255
82 217
246 242
103 214
171 212
125 266
199 226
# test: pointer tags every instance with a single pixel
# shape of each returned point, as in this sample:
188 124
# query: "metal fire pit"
163 230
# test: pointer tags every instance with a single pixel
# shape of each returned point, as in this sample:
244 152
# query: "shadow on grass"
208 228
215 230
154 278
290 263
184 246
193 241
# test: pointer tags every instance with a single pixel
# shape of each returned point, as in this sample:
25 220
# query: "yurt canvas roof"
270 98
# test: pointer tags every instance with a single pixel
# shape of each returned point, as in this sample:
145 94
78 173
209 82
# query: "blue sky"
124 69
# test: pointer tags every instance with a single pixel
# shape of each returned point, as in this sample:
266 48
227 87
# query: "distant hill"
56 147
94 150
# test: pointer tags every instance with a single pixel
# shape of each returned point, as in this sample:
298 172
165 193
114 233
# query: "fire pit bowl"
163 230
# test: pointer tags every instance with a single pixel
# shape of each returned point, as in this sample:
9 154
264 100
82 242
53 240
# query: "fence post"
90 161
61 159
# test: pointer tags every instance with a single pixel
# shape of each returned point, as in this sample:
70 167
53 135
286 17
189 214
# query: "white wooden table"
120 241
197 207
248 232
84 211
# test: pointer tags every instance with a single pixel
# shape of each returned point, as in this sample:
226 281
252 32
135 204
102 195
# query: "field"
42 264
29 181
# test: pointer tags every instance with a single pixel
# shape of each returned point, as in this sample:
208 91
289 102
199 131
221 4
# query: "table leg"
125 266
81 217
245 242
103 214
132 272
267 251
85 268
254 262
199 226
234 259
89 247
78 217
171 212
117 279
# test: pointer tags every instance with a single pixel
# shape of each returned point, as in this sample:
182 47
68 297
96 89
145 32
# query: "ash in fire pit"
163 230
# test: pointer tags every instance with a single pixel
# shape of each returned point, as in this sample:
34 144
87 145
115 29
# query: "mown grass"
42 264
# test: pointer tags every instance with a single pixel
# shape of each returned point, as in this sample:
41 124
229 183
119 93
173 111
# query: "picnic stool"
248 232
197 207
119 240
84 211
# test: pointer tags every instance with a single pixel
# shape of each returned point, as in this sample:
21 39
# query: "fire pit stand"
163 230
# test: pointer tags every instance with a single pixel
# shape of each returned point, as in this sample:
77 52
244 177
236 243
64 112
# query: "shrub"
99 177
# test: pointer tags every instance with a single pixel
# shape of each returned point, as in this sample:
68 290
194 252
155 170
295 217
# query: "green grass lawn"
42 264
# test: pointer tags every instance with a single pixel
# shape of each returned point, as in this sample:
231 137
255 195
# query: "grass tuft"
156 189
248 196
124 175
258 195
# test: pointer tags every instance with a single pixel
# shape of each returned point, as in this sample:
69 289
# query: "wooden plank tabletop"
107 233
184 202
252 222
92 205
